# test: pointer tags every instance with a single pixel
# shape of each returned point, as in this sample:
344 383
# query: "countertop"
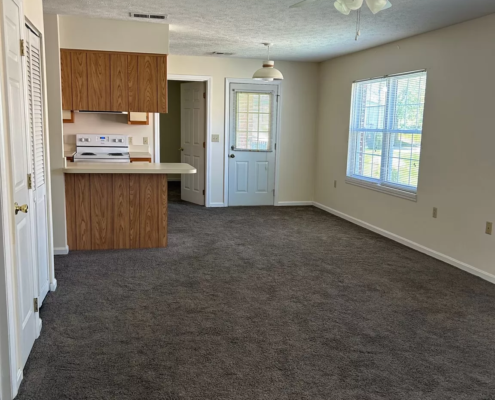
131 168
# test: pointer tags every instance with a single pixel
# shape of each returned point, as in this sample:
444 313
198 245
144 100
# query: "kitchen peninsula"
118 206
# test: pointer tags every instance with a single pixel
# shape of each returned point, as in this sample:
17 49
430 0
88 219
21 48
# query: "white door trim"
228 81
209 82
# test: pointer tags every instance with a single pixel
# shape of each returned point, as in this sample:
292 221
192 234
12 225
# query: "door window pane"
253 125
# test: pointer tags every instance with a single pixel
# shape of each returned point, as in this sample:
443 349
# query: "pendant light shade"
268 72
378 5
353 4
341 7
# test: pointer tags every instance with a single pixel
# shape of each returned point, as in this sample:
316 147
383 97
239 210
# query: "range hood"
102 112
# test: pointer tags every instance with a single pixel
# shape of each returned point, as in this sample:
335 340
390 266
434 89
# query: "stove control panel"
101 140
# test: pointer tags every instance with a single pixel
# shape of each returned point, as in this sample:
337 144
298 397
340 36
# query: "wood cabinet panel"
148 232
116 211
79 64
66 79
132 80
70 211
162 85
163 210
98 81
119 99
82 196
147 83
134 211
121 215
101 187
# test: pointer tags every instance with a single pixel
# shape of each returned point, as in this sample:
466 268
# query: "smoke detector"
148 16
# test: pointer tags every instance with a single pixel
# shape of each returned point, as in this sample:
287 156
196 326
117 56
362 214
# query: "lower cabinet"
116 211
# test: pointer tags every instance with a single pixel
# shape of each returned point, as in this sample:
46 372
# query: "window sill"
383 189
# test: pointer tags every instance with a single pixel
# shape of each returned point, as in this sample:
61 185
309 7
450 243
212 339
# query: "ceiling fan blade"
303 3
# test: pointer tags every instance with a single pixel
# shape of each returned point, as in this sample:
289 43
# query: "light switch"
215 138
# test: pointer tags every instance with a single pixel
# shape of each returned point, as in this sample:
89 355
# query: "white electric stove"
102 148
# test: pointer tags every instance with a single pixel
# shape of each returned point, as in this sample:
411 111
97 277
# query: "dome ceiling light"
268 72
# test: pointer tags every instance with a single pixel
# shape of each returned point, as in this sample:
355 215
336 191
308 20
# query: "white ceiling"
315 33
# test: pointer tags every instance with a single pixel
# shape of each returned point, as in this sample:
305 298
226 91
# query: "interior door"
192 139
253 126
34 83
13 29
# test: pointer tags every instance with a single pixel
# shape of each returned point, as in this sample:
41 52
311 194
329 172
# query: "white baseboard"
413 245
53 285
217 205
61 251
294 203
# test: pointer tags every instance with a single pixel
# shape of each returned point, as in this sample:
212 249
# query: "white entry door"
253 127
36 130
192 139
13 29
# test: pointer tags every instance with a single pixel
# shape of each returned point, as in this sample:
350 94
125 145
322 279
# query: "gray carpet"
263 303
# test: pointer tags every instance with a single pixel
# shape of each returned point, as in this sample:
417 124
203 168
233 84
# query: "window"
385 133
253 121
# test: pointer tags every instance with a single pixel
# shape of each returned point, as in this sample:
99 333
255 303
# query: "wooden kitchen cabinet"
99 94
79 62
119 98
66 77
113 81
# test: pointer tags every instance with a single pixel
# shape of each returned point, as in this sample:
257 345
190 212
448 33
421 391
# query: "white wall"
457 172
113 35
107 124
299 110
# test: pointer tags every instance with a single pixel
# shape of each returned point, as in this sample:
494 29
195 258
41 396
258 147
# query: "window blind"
386 130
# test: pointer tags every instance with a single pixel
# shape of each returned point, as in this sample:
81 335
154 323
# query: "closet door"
38 181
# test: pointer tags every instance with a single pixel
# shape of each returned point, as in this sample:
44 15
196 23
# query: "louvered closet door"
36 129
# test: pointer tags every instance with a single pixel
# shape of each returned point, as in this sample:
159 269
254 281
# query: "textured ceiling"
314 33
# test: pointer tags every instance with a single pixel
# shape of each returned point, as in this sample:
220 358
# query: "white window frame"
402 191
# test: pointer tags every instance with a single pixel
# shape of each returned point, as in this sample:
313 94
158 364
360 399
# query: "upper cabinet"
109 81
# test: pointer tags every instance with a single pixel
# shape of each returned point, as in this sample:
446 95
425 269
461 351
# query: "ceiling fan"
346 6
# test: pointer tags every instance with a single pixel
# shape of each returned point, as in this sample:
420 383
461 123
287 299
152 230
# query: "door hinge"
275 146
273 192
29 181
204 95
23 52
203 192
204 145
35 303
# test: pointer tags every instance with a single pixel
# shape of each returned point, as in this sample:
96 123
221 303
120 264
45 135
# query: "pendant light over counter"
268 72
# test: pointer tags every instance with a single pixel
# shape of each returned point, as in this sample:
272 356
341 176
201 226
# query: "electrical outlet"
145 140
489 228
335 184
129 139
435 212
215 138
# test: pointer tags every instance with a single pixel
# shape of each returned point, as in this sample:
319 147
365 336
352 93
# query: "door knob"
232 156
181 148
24 208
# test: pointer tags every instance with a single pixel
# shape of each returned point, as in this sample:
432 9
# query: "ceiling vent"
149 16
221 53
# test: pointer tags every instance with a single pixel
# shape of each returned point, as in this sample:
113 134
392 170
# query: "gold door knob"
181 148
24 208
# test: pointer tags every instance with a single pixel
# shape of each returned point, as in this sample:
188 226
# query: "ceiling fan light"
353 4
377 5
268 72
341 7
